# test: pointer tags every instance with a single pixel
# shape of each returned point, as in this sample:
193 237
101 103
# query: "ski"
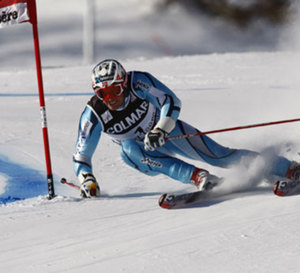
177 200
286 187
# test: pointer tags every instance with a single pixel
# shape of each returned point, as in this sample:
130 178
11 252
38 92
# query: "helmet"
107 73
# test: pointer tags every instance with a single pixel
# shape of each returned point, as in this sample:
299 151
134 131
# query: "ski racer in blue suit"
138 112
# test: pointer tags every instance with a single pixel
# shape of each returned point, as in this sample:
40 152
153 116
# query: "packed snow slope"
125 230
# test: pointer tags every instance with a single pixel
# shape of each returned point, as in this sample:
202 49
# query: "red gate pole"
33 20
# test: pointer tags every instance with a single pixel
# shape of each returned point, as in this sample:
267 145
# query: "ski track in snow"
126 231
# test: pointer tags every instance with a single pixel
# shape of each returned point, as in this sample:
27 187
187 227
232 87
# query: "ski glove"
89 186
155 138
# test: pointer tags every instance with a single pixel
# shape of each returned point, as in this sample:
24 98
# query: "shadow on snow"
22 182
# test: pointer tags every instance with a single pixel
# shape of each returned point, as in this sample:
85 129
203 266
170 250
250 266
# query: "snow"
3 180
126 230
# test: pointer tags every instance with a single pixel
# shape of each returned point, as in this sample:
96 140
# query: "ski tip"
286 187
276 189
162 203
161 199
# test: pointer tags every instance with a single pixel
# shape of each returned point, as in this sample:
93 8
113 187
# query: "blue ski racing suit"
147 101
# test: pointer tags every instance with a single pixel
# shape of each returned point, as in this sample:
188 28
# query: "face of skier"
112 96
113 103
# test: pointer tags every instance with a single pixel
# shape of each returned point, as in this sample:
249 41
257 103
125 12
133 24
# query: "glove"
89 186
155 138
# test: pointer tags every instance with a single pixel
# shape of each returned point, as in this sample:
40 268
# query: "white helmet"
107 73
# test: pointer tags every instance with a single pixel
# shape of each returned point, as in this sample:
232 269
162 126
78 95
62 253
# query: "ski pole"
233 129
64 181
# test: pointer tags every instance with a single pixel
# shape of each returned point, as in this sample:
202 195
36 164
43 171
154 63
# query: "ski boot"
203 180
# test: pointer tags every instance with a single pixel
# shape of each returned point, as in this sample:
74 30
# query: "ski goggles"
110 92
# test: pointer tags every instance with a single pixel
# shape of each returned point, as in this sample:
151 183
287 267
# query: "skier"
138 112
